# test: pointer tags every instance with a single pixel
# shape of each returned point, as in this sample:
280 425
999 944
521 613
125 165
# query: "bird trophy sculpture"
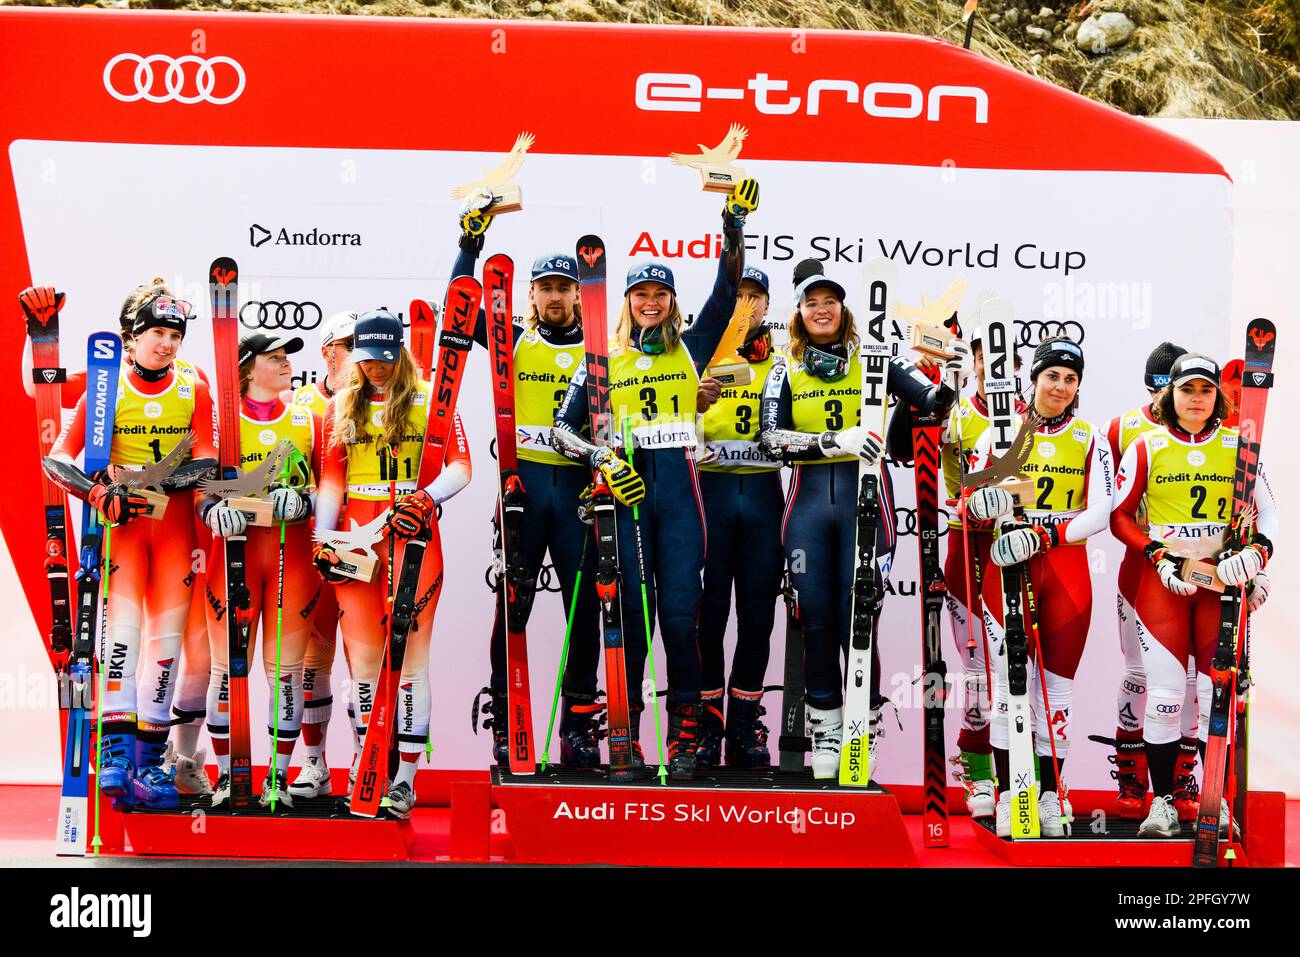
718 173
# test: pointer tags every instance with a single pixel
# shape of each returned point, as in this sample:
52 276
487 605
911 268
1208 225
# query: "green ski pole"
564 657
645 614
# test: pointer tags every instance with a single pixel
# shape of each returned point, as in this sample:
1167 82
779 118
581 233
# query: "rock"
535 6
1036 59
994 18
1012 17
1046 12
1104 32
1059 28
1070 30
1038 33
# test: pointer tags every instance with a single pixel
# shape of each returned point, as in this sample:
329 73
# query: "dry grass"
1215 58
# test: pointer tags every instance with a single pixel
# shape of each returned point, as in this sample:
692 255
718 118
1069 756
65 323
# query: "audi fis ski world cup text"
655 812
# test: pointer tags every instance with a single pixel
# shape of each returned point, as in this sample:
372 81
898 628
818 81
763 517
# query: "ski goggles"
824 365
165 307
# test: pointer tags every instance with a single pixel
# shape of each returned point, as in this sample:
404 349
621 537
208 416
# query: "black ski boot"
683 738
634 711
746 734
580 732
709 754
496 712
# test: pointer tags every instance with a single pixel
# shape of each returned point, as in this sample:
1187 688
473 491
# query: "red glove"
325 558
40 305
118 504
412 516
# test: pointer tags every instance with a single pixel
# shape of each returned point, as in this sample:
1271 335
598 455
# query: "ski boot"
313 779
221 794
116 767
497 710
709 753
683 738
188 774
640 771
1132 775
580 732
746 733
152 787
977 775
1162 821
1051 821
399 801
1002 815
876 730
1187 795
280 786
827 727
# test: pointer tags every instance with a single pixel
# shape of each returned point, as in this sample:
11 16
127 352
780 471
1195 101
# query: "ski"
103 368
223 286
41 306
517 581
794 742
424 329
455 342
1256 380
595 333
878 276
1000 388
934 672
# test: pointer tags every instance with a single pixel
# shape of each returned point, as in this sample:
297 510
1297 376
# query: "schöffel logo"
186 79
259 235
684 93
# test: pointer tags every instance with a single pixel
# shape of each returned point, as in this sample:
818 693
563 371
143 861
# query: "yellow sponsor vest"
542 374
730 427
968 422
371 465
1189 487
1058 466
818 406
312 397
147 427
1131 425
656 396
257 439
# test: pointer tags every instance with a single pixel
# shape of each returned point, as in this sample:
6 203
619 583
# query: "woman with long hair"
374 436
655 365
810 415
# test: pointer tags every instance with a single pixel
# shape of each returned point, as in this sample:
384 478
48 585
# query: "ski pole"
95 841
564 655
1042 681
279 634
645 613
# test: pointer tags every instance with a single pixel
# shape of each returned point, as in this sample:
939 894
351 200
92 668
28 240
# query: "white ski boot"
1162 820
221 796
399 801
313 780
827 728
981 799
1051 821
280 787
1003 814
191 775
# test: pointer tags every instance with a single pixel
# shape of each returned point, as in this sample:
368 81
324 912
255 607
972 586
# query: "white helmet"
337 326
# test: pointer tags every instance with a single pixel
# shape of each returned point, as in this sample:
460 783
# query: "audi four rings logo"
905 520
1033 331
185 79
279 315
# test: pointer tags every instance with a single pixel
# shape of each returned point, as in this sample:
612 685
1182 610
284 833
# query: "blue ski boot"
709 754
746 734
153 787
116 765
